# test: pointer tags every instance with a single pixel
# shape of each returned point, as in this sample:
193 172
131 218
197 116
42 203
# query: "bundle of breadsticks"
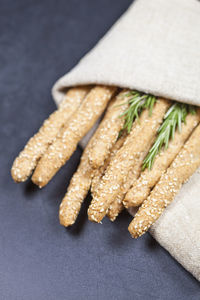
141 153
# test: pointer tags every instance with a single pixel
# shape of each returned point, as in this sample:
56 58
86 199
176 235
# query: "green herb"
137 102
173 119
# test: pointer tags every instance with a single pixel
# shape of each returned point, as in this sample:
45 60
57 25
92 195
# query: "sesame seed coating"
77 126
80 182
139 139
109 132
25 163
115 208
143 185
183 166
111 167
118 204
98 173
77 191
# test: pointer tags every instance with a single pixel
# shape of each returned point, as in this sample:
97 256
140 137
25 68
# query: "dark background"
39 259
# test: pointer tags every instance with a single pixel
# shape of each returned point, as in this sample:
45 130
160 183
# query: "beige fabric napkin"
155 47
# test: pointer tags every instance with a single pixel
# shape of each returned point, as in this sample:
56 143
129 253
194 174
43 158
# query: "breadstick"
183 166
134 147
80 184
66 142
81 181
77 191
118 204
110 131
142 187
98 173
115 208
25 163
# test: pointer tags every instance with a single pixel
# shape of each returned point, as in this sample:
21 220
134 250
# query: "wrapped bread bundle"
124 58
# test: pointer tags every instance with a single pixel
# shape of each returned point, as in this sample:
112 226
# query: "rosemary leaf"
137 102
175 116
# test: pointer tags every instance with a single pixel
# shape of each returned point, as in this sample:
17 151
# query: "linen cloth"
155 48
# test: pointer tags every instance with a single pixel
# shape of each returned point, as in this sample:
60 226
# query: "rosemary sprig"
137 102
173 119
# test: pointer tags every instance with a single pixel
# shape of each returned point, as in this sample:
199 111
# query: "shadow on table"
30 189
120 234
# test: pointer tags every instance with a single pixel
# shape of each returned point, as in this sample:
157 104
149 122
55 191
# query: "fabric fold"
154 47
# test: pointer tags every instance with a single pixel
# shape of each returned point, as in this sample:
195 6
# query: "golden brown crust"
98 173
66 142
183 166
81 181
133 148
143 185
118 204
77 191
109 132
115 208
25 163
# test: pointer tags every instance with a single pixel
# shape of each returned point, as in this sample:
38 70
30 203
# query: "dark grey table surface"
39 259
